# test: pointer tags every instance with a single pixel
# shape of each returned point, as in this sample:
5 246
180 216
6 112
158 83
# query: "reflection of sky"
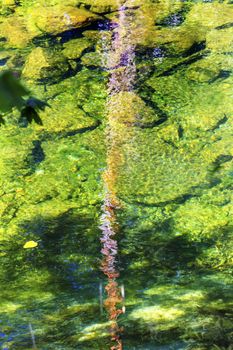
175 20
14 335
73 273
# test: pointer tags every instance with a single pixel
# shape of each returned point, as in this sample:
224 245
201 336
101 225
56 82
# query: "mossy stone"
10 3
101 6
15 31
43 63
220 40
209 15
56 19
73 49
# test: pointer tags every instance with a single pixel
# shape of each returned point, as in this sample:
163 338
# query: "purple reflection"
158 53
175 20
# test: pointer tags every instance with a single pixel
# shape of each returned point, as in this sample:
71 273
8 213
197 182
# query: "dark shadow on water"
68 248
54 286
158 269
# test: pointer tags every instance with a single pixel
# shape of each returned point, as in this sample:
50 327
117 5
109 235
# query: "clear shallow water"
159 141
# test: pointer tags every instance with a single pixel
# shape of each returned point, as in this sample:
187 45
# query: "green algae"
74 48
43 64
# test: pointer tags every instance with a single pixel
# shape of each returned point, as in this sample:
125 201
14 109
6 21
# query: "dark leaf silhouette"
31 115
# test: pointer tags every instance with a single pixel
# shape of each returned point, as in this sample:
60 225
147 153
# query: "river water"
116 204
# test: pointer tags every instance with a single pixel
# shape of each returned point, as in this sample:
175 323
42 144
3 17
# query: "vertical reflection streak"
120 62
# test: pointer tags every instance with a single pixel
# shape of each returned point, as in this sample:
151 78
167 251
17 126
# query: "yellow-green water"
170 155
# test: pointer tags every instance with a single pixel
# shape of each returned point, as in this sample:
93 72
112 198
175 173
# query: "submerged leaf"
30 244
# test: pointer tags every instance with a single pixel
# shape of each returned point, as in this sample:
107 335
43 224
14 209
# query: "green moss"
220 41
44 64
92 59
209 15
101 6
73 49
14 30
56 19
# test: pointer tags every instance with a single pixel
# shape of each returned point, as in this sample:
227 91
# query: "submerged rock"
56 19
15 32
67 117
127 109
101 6
92 59
220 40
44 64
25 24
73 49
211 68
8 4
209 15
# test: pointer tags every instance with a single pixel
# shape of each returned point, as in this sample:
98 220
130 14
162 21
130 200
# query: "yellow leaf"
30 244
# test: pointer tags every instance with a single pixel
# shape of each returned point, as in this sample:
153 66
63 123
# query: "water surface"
126 188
